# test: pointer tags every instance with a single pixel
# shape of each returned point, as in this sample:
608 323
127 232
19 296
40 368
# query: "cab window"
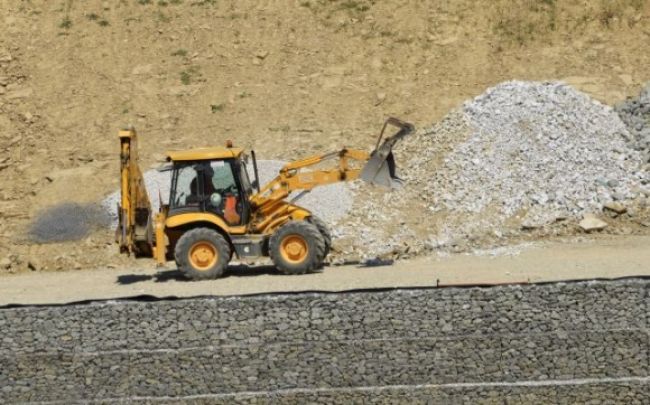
184 186
208 186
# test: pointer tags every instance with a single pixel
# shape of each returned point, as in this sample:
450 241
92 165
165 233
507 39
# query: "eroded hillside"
284 77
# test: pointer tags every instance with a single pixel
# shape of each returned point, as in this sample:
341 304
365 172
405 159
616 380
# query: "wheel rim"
203 255
294 249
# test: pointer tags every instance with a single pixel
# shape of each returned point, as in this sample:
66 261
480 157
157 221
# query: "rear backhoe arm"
134 232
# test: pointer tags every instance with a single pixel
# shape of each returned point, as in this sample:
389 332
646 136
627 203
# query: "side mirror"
256 185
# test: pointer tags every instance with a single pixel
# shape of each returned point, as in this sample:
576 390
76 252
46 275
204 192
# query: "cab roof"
204 154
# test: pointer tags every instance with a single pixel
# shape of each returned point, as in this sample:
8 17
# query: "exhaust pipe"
380 168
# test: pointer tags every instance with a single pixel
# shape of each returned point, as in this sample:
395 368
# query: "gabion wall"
546 343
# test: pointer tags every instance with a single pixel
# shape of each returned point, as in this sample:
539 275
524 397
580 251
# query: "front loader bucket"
380 168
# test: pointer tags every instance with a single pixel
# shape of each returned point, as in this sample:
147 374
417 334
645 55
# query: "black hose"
257 176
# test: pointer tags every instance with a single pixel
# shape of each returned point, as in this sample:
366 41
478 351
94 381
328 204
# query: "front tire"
202 254
297 247
324 230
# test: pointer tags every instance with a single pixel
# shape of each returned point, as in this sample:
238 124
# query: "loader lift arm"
291 178
378 168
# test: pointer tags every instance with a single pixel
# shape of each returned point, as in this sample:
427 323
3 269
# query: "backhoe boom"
378 168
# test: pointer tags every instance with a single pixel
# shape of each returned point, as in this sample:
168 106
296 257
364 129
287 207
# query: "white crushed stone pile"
329 202
522 154
544 147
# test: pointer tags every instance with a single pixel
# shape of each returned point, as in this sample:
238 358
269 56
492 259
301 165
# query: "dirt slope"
285 77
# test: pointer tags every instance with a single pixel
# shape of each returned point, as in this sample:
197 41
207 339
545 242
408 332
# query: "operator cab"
211 180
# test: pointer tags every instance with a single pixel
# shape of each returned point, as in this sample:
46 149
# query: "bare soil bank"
288 78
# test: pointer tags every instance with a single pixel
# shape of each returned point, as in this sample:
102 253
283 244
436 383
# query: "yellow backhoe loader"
215 211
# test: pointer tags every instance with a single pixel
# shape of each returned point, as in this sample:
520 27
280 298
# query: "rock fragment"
19 93
5 263
5 56
34 264
142 69
380 97
262 54
591 222
616 207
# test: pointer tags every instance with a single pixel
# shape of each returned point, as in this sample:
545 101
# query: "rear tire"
325 231
297 247
202 254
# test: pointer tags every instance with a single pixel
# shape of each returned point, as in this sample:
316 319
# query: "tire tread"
314 238
185 243
325 231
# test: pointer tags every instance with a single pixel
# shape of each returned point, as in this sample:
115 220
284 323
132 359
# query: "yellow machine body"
145 233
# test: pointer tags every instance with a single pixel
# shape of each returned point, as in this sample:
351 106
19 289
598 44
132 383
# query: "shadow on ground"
240 270
176 275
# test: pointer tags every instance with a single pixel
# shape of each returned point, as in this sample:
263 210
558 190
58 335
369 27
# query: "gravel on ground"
521 156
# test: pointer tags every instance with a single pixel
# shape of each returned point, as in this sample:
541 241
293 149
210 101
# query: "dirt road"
609 257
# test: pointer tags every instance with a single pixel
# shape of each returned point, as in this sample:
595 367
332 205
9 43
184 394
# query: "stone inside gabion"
254 349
